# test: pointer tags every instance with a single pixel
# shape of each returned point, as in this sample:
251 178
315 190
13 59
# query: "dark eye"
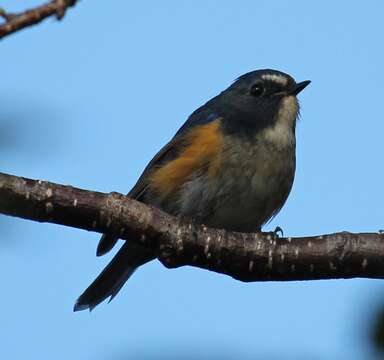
257 90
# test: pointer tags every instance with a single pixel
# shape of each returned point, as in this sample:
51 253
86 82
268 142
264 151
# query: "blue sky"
89 101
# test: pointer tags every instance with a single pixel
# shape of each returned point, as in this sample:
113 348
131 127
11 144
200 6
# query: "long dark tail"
106 243
114 275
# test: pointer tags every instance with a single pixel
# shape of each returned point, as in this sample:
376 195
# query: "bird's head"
261 98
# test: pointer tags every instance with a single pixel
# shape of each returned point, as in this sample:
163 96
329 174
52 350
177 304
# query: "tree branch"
16 22
178 242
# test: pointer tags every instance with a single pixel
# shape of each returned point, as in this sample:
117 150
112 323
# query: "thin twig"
18 21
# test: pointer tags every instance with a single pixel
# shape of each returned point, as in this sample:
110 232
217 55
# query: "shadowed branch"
18 21
178 242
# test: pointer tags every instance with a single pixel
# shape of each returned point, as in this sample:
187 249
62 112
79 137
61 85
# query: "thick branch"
15 22
178 242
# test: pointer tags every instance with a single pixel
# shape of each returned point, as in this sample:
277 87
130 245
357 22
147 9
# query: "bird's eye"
257 90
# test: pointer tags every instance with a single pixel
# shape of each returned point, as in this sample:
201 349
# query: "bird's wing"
168 153
171 150
132 255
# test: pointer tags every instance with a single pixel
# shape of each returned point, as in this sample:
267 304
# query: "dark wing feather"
167 153
200 117
132 255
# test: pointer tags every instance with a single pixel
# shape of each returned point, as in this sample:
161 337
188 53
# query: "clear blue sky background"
90 100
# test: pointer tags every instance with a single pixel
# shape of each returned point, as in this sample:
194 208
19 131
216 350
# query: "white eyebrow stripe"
276 78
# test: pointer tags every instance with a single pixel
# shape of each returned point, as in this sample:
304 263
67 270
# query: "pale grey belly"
244 196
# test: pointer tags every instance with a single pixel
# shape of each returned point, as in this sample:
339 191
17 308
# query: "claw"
278 230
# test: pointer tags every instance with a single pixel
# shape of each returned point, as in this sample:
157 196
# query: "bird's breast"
257 168
253 183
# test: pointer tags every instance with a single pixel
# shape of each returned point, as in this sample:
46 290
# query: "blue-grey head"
259 99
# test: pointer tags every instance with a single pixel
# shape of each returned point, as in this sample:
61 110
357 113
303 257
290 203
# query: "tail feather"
106 243
114 276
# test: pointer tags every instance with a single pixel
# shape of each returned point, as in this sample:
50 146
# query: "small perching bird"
230 166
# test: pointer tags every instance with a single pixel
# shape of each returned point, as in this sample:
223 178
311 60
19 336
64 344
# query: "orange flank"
201 152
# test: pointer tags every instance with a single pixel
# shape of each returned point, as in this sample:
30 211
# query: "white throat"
281 134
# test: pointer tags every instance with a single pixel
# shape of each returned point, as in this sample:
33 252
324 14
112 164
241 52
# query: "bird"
230 166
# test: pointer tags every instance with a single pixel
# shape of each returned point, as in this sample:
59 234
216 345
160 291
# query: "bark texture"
18 21
178 242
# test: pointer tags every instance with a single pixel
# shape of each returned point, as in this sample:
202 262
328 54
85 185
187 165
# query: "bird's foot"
275 234
278 230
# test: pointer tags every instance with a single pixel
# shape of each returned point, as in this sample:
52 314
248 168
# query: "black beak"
300 86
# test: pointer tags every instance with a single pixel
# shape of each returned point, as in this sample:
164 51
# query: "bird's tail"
114 275
106 243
